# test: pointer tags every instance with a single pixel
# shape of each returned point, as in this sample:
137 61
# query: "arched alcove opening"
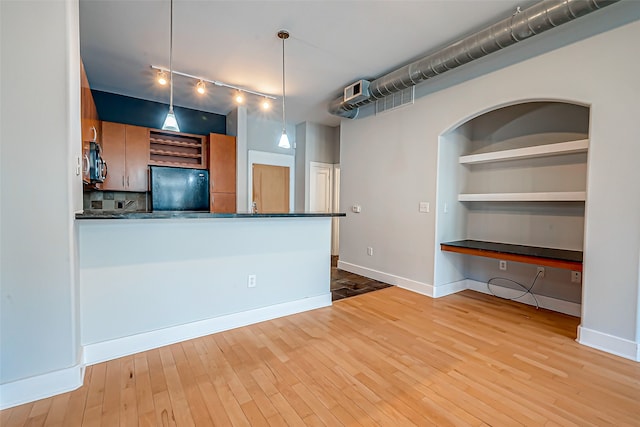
515 175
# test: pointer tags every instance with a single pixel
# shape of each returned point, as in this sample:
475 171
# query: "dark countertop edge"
508 248
201 215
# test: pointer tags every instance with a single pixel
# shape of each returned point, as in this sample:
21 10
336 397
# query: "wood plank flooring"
388 358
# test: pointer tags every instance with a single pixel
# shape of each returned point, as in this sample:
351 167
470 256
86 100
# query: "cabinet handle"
122 180
127 180
95 133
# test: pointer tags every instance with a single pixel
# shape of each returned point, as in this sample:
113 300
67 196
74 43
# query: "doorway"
266 160
270 188
324 195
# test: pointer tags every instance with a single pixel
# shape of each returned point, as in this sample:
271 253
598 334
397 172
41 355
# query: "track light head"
266 105
239 97
162 77
200 87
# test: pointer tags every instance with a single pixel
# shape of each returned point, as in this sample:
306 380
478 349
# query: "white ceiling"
332 44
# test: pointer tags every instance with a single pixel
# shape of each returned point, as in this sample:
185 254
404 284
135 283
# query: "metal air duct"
536 19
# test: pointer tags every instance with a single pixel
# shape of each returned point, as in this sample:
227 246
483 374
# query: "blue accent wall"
139 112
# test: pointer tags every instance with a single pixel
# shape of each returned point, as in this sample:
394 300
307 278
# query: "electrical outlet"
252 281
540 272
576 277
503 265
370 251
423 207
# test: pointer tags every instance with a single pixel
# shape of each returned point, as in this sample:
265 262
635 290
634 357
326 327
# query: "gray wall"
389 163
316 143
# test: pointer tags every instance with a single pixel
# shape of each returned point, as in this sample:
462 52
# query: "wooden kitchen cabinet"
125 150
89 122
222 173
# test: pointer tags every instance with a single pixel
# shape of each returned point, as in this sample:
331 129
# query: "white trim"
449 288
566 307
119 347
609 343
272 159
401 282
335 207
546 150
41 386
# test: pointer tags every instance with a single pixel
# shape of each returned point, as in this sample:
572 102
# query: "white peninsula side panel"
148 283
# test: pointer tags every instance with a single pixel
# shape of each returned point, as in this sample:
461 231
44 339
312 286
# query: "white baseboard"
449 288
112 349
566 307
401 282
41 386
609 343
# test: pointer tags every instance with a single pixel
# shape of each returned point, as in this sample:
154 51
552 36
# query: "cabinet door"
222 163
136 158
113 153
223 202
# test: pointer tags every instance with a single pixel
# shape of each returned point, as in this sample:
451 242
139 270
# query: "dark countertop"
188 214
531 251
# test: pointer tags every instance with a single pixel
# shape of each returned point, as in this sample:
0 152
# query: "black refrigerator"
179 189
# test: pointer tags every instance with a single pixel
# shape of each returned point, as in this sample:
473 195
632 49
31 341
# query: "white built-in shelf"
569 147
555 196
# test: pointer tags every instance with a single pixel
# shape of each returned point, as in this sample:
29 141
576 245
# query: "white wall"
40 191
155 274
390 161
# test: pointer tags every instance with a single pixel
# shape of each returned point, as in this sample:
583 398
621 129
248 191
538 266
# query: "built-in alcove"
514 175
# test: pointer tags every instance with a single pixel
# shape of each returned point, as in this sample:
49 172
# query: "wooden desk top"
549 257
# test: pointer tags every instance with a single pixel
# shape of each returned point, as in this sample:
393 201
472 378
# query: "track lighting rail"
214 82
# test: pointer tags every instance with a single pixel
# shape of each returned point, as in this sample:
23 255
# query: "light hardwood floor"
389 357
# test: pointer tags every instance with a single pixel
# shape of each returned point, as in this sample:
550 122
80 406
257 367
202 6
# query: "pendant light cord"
171 60
283 90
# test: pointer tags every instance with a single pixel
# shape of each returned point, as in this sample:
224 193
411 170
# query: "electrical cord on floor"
526 290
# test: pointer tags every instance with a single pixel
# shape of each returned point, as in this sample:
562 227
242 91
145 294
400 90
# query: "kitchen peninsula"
154 278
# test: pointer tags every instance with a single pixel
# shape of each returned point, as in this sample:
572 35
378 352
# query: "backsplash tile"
115 201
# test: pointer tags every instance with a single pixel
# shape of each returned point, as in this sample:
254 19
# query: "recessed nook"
515 175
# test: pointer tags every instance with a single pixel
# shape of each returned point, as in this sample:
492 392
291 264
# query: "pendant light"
284 140
170 123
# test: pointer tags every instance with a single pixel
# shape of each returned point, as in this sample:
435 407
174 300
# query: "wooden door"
271 188
136 158
113 153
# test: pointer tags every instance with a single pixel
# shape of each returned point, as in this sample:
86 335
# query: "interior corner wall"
38 293
389 161
321 144
301 169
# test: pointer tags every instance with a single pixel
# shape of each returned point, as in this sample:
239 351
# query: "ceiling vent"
356 92
396 100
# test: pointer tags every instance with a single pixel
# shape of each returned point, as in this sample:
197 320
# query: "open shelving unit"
536 151
550 196
168 148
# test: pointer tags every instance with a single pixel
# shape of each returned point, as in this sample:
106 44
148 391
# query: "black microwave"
97 166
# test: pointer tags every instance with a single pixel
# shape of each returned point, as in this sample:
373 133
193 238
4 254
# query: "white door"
320 184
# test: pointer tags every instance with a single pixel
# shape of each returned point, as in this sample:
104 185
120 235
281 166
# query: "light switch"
424 207
356 208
